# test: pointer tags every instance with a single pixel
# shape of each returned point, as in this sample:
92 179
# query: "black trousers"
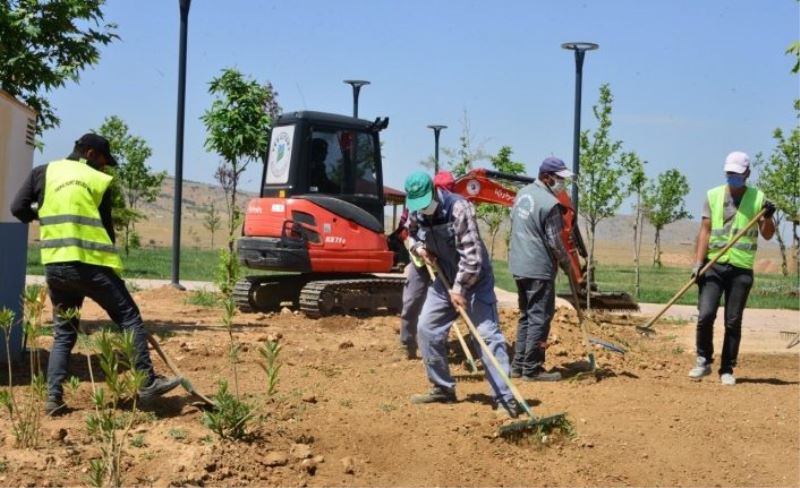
537 302
69 284
735 284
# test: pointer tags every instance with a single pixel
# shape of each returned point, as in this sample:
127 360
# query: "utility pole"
356 84
176 215
580 49
436 130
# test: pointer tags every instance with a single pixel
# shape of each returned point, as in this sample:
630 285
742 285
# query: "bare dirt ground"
342 417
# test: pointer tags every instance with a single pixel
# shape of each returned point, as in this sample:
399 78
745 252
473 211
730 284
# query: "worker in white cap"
728 208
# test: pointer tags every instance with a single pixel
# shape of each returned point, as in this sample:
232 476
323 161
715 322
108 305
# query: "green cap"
419 191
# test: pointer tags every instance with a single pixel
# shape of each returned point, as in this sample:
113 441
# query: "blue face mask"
735 181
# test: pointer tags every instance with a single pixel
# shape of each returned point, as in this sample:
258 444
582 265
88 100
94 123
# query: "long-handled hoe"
533 425
185 383
648 327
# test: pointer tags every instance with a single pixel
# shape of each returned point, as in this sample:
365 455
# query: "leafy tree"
600 181
664 204
238 125
494 215
779 176
45 44
794 50
637 181
212 221
135 182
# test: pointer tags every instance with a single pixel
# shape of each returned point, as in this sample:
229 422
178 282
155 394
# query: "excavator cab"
320 214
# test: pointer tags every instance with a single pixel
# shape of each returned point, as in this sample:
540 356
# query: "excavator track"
320 298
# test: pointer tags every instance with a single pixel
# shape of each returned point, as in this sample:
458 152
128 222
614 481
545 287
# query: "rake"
587 339
648 327
792 337
185 383
533 424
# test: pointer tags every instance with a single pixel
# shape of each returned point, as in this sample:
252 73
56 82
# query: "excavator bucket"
608 301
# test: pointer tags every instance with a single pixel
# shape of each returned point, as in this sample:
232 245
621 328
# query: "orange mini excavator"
318 224
483 186
320 220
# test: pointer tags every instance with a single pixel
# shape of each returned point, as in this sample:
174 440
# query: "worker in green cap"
443 229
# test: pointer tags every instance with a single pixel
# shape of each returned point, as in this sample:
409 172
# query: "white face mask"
431 208
558 185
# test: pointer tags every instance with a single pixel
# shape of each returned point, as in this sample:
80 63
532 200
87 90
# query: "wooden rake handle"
485 348
648 326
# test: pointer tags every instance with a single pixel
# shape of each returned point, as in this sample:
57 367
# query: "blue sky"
692 80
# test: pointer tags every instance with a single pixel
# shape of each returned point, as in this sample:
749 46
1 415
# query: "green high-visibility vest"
70 225
743 253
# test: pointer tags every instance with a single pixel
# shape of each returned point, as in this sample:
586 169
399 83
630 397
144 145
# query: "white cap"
737 162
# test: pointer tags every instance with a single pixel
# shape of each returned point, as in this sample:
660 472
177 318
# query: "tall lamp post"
436 130
176 219
356 84
580 49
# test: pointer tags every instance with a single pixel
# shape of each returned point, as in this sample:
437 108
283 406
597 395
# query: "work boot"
510 410
515 373
158 387
727 379
542 375
702 368
54 406
437 394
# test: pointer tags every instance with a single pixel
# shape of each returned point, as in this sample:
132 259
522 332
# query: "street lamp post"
176 219
580 49
356 84
436 130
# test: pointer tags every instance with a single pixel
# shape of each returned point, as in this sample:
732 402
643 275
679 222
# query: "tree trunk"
796 244
637 232
491 244
590 266
657 248
781 246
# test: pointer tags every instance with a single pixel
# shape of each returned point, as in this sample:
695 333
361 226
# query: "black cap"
99 144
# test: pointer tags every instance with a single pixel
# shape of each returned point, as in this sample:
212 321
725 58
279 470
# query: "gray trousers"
438 315
537 303
414 291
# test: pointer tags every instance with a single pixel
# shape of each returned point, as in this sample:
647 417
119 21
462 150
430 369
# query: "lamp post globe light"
176 216
579 48
356 84
437 128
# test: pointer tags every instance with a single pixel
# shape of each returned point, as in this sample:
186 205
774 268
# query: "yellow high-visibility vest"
70 225
743 253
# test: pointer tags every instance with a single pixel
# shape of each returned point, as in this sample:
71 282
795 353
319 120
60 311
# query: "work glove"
770 209
696 271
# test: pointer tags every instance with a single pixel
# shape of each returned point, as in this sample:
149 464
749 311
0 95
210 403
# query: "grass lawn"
658 285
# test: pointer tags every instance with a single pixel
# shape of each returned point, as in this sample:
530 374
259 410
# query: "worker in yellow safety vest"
728 209
71 198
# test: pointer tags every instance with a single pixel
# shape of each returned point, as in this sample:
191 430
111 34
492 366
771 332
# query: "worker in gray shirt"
536 248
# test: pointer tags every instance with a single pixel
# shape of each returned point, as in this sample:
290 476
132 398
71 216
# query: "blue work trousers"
438 315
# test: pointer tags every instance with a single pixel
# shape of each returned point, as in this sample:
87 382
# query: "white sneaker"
727 379
702 368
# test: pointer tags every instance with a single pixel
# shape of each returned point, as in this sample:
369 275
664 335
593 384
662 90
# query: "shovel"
533 424
648 327
185 383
